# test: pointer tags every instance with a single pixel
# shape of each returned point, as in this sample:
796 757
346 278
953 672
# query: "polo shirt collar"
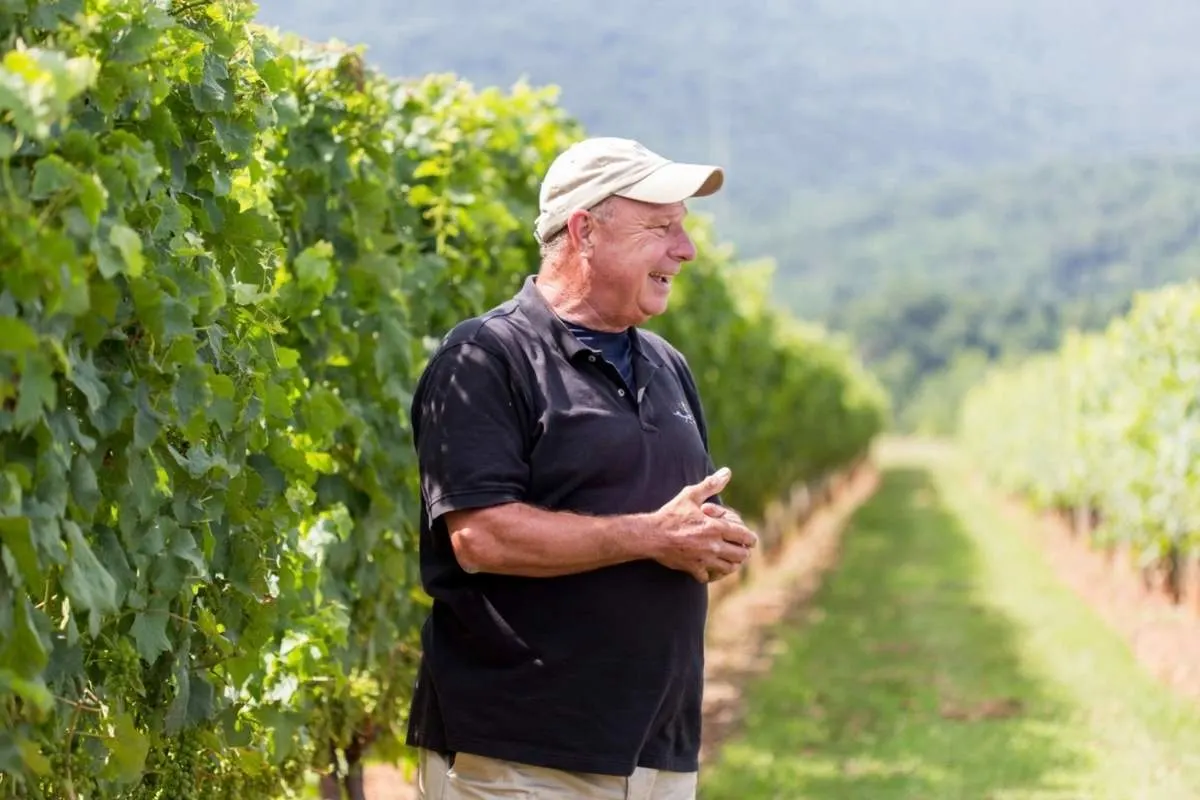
539 312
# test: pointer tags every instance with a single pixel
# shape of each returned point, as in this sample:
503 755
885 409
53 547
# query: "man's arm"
520 539
517 539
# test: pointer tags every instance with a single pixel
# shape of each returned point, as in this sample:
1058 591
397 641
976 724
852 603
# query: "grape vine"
227 255
1106 429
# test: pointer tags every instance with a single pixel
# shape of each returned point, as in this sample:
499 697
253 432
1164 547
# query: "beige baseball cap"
593 169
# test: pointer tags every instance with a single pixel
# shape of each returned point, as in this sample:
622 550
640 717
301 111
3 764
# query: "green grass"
940 608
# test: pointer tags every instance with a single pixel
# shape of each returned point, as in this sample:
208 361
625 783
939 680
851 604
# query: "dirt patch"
385 782
742 614
1164 636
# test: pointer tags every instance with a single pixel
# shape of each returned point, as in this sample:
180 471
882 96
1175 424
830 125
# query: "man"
571 516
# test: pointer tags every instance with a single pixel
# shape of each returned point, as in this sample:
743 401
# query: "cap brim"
675 182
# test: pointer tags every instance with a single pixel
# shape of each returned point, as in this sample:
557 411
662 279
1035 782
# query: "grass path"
943 659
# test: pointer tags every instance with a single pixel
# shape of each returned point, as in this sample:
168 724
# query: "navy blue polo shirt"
599 671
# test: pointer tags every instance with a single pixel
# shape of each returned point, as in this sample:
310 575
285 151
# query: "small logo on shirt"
685 414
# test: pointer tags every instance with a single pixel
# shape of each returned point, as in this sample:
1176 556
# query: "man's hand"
724 512
702 538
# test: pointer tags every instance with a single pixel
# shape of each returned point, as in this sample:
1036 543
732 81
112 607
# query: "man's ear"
581 227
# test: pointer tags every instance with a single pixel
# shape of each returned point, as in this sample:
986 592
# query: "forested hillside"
802 94
936 280
948 182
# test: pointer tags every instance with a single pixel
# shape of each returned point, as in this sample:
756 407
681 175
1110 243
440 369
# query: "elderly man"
571 516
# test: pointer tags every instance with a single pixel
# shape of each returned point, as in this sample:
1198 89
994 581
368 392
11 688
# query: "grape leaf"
149 631
16 534
87 582
128 748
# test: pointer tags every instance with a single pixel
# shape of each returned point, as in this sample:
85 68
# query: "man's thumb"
711 485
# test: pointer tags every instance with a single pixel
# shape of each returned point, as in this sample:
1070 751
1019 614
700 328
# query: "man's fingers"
718 568
723 512
727 555
710 486
746 537
737 533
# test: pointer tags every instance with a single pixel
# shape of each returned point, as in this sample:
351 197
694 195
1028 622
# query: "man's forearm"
518 539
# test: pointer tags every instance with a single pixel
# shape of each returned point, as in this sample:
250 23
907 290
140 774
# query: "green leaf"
52 175
84 487
222 409
278 403
245 294
177 318
192 392
182 545
32 691
16 336
32 756
87 379
177 712
23 650
111 553
11 760
128 747
323 412
148 304
105 299
232 135
16 534
268 473
149 632
314 267
14 483
93 197
217 294
37 392
145 427
49 13
46 530
129 244
87 582
211 93
73 299
201 699
287 357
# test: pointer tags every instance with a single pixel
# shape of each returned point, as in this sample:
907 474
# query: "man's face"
638 249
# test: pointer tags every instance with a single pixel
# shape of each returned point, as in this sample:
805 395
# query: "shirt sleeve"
470 432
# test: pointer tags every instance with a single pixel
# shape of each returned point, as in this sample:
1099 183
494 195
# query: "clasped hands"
705 539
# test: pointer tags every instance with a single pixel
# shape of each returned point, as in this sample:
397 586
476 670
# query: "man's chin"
653 308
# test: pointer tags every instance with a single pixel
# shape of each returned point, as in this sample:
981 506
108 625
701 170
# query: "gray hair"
552 249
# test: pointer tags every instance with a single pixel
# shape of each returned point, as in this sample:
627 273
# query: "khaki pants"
479 778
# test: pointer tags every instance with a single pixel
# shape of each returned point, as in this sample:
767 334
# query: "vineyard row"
1106 432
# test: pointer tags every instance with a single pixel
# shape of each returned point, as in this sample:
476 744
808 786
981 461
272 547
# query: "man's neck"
570 303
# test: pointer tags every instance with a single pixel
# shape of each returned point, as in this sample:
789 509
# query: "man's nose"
684 249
